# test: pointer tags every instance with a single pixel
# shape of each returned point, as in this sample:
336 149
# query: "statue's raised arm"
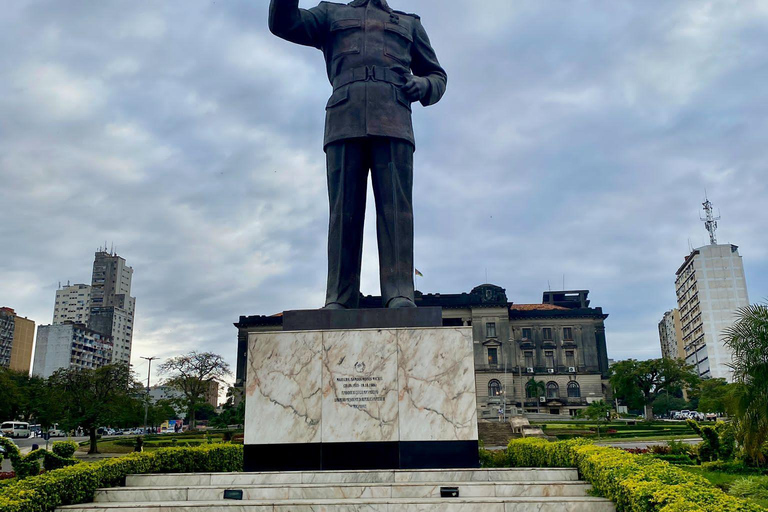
301 26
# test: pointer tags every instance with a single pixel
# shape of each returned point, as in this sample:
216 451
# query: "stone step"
509 504
376 476
343 491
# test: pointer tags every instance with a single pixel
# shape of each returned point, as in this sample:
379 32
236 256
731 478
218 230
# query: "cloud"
574 144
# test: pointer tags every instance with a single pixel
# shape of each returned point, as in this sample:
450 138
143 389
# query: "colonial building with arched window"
559 344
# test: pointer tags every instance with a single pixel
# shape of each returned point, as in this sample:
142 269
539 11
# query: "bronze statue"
379 61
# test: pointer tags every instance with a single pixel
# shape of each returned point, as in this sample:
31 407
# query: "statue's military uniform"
370 52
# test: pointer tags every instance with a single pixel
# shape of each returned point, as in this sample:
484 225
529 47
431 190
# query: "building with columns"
559 343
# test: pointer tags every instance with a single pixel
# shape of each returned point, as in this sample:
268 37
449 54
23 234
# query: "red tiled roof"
276 315
537 307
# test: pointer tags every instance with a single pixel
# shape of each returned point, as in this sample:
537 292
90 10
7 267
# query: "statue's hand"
416 87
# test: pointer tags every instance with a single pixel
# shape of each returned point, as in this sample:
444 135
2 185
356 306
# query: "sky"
573 148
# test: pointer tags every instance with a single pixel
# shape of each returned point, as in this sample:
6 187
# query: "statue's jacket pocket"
397 42
345 37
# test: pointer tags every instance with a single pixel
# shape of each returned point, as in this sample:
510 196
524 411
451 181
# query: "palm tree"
748 340
536 388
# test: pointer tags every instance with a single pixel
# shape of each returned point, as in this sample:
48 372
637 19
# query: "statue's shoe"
400 302
334 305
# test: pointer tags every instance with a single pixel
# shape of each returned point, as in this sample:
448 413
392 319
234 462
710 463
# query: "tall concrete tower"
111 305
710 286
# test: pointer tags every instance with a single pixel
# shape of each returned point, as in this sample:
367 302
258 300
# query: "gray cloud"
575 141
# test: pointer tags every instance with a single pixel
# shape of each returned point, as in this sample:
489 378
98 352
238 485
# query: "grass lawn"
721 480
618 430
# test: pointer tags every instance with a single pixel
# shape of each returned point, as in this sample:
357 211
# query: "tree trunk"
94 443
649 412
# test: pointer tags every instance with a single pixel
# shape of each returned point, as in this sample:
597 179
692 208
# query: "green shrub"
674 458
494 458
64 449
750 487
77 484
635 483
734 467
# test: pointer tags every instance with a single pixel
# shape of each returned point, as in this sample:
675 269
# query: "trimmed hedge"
78 484
634 483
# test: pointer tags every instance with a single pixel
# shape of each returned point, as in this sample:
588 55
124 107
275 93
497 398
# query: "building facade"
535 358
710 286
17 336
671 335
73 304
111 307
70 345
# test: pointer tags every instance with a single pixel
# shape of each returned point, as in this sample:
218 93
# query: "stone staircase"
481 490
495 433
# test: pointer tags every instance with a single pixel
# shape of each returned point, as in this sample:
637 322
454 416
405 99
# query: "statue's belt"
363 74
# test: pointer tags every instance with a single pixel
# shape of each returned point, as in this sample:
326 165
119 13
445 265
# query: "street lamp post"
146 400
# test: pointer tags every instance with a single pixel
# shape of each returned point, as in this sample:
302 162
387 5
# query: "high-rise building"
111 305
710 287
17 335
671 335
72 304
69 345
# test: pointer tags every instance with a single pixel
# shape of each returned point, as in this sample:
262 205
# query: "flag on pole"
418 273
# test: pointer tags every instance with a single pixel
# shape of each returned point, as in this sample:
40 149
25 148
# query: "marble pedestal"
395 398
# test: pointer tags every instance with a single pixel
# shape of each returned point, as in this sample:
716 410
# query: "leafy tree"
92 398
20 392
206 412
230 414
748 340
599 412
191 374
639 383
665 403
715 395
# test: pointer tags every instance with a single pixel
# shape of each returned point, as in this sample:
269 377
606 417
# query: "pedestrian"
501 414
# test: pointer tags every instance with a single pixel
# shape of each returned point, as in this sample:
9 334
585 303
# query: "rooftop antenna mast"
710 220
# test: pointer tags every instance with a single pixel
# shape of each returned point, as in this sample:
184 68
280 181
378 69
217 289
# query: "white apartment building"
671 335
72 304
69 346
710 286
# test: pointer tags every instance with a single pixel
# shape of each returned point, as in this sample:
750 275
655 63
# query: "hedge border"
78 484
634 483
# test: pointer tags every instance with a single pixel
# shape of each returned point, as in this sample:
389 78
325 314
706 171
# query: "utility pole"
146 400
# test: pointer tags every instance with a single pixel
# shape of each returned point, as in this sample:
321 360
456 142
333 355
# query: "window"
494 388
570 358
529 359
546 333
574 390
568 333
527 334
549 358
493 356
553 390
490 330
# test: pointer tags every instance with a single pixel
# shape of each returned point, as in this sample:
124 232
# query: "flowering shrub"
634 483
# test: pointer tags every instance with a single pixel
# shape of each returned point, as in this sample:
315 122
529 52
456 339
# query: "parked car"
15 429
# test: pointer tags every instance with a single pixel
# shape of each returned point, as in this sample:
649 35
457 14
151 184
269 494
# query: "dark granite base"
325 319
362 456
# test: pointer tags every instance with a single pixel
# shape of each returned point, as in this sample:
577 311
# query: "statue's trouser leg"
392 179
347 181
